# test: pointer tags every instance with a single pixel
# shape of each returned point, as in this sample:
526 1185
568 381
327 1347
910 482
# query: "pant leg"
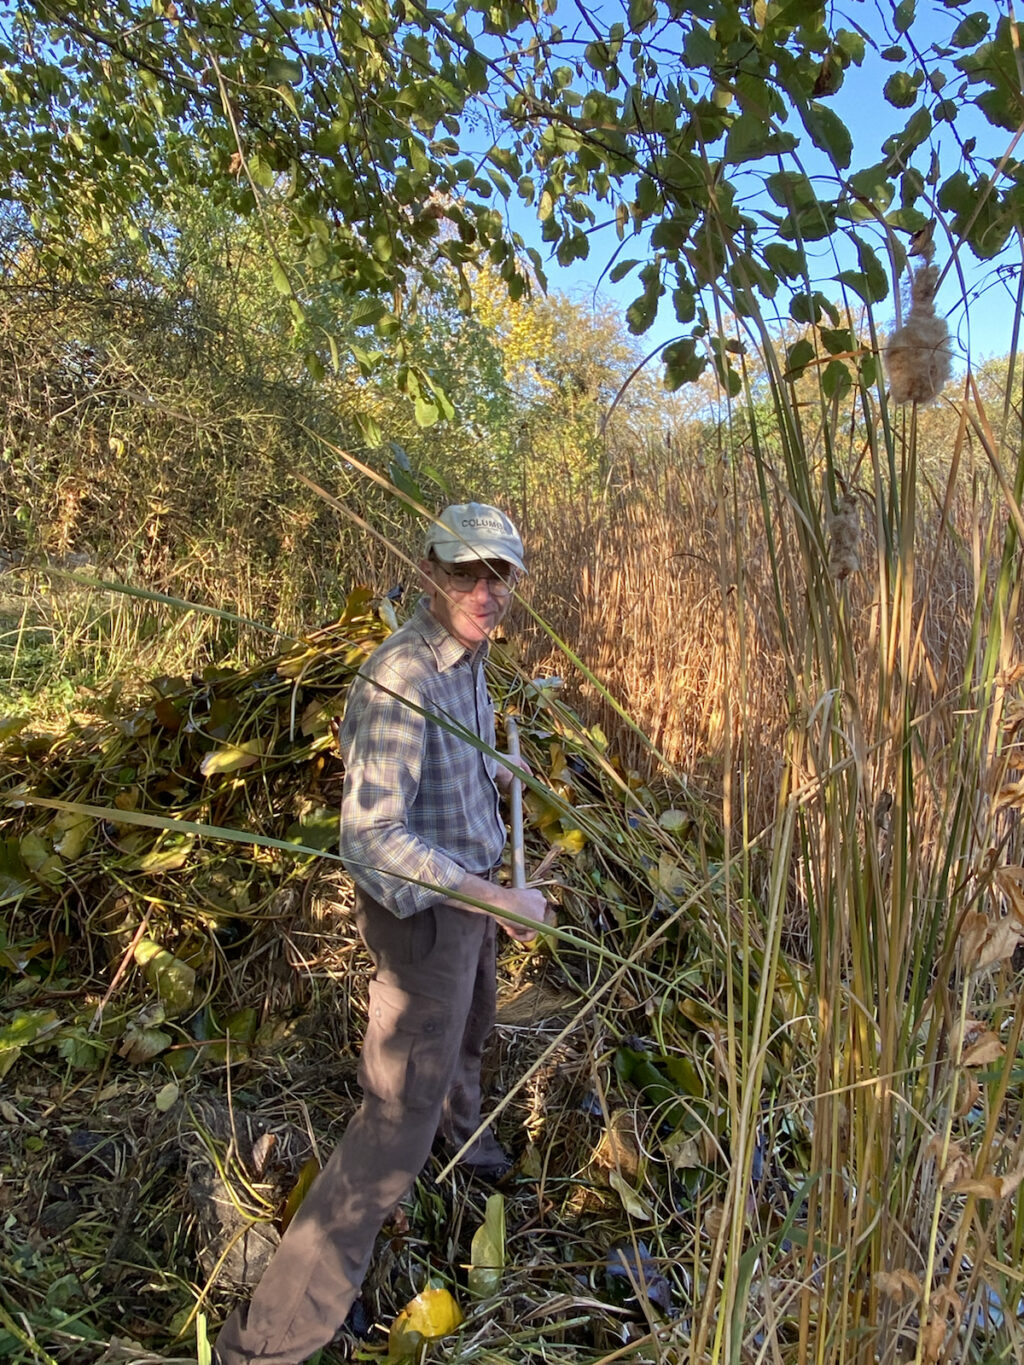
420 1000
462 1107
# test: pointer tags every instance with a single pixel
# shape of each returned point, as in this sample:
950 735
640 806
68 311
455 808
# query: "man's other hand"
527 903
519 768
530 905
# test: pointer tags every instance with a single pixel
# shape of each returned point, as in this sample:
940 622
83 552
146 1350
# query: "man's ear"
427 581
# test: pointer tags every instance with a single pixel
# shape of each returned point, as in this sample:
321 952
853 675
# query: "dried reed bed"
664 588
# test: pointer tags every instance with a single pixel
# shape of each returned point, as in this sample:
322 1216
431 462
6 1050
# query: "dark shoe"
491 1172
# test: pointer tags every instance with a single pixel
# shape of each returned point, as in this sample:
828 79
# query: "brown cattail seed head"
844 538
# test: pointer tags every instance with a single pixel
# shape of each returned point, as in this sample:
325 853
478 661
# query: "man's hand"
505 775
531 905
527 903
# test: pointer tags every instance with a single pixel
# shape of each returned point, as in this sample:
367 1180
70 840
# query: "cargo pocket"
409 1052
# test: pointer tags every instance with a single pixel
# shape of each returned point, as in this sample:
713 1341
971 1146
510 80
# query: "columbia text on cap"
474 530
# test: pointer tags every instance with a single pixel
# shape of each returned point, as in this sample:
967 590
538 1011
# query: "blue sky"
982 326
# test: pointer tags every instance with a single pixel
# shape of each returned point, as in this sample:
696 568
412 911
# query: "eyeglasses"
500 582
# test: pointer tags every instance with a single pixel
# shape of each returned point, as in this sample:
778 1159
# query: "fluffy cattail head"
844 538
918 357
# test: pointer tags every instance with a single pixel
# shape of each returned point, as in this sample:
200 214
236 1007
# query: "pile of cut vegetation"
183 998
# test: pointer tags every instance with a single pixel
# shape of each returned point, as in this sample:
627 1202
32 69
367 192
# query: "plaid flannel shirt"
420 804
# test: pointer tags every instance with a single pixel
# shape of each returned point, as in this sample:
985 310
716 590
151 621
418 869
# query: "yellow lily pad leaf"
11 726
232 758
142 1044
487 1254
39 857
434 1313
166 859
674 820
173 980
571 840
71 834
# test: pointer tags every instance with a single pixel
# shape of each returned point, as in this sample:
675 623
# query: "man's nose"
485 583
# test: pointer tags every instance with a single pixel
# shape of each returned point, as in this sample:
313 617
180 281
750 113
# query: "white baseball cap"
473 530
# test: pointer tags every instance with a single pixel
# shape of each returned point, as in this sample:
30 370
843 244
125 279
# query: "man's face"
468 613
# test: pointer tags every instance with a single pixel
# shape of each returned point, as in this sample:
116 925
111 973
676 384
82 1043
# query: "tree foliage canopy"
363 126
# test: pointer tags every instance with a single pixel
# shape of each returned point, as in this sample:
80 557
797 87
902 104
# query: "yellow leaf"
632 1202
571 840
73 834
165 859
434 1313
300 1189
232 758
488 1250
167 1096
173 980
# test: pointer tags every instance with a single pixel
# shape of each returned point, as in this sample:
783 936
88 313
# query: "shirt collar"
445 648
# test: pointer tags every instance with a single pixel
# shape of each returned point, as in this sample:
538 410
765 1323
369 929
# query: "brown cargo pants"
431 1008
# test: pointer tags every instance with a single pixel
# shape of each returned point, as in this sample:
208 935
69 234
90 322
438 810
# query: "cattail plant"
918 357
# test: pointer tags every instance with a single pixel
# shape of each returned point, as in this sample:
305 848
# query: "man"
420 823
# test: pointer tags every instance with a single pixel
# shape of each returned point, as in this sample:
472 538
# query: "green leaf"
26 1028
641 13
798 357
487 1254
787 262
71 835
829 133
970 31
621 269
903 16
283 70
643 310
683 363
404 481
38 856
171 858
836 380
15 878
901 90
279 275
368 429
82 1050
791 190
700 50
366 311
426 411
874 183
870 282
851 45
751 137
142 1043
